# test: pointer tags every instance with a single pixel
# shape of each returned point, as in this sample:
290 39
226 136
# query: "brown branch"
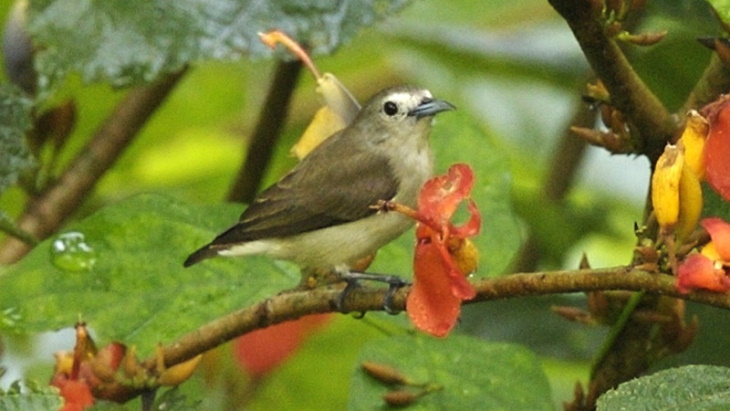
266 133
47 212
292 305
629 94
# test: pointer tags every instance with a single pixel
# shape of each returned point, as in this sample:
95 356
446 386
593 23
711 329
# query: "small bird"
320 215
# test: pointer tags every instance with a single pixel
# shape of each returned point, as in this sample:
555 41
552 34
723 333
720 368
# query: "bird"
321 214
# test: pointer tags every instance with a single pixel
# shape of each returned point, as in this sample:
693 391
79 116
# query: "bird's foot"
353 278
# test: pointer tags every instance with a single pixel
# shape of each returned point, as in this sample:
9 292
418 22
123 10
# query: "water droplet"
70 252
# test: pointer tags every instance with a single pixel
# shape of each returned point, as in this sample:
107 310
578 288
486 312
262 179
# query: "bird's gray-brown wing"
328 188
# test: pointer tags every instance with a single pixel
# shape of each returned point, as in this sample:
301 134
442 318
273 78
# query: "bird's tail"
200 255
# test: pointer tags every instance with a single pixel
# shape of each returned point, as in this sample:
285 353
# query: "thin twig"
268 129
629 94
47 212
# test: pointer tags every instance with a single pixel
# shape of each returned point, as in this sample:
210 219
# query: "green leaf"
133 41
120 270
36 398
722 9
472 374
692 387
714 205
14 121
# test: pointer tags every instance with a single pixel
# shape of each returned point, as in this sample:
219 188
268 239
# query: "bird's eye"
390 108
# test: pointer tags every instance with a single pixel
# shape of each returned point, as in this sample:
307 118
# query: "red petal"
431 305
717 152
260 351
76 394
699 272
440 196
719 231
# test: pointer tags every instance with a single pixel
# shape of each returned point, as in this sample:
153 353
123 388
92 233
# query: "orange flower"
708 270
439 284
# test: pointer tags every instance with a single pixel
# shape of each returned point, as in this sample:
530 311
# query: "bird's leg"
352 278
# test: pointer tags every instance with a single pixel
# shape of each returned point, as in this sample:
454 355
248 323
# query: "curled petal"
471 227
719 231
274 37
699 272
441 196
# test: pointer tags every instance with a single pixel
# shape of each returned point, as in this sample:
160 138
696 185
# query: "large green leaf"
132 41
121 271
14 121
693 387
473 374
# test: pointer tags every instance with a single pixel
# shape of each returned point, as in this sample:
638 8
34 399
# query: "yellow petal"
325 123
339 109
710 251
665 186
693 140
690 202
337 97
178 373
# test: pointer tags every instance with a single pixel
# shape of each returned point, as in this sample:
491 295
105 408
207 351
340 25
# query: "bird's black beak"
431 107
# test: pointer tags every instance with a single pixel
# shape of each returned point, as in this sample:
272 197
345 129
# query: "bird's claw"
352 279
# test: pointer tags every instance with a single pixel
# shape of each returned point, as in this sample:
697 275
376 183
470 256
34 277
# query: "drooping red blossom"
439 284
708 270
261 351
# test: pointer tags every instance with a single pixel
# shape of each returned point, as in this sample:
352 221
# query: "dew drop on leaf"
71 252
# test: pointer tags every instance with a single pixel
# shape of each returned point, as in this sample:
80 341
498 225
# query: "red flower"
444 255
76 393
708 270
